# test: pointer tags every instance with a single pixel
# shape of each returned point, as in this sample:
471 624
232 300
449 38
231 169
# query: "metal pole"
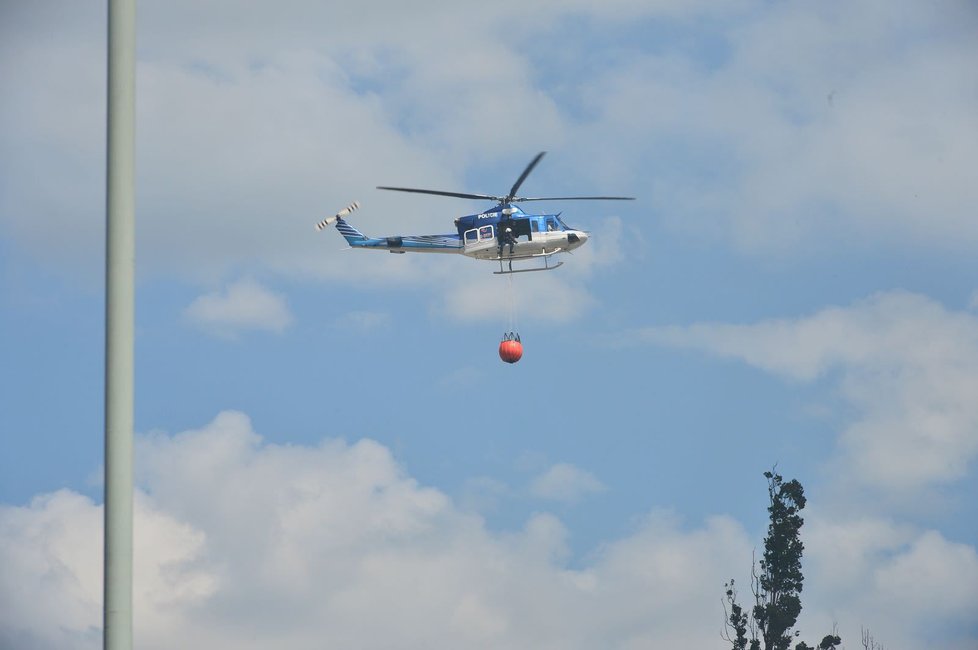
119 319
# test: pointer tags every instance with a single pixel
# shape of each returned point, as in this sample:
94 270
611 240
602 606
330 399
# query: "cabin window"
551 224
471 235
485 232
534 226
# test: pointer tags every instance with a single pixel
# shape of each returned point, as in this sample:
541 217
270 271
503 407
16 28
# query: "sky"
329 452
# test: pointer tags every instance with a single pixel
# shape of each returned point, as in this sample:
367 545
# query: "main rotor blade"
458 195
575 198
526 172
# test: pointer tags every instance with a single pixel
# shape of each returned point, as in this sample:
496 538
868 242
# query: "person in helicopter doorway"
507 238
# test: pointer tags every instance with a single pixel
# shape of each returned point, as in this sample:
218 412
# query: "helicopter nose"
577 237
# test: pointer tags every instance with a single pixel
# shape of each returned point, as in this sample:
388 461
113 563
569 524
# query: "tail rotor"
328 221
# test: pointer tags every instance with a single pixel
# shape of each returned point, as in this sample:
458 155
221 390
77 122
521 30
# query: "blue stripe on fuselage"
416 243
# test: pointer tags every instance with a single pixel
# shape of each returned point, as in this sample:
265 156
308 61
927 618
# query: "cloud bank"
245 544
774 127
906 365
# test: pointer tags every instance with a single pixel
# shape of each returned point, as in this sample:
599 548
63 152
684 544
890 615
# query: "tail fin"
350 233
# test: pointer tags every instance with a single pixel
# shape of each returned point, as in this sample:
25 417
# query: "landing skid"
546 264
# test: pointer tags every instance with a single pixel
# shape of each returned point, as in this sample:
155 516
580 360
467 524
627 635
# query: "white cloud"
249 134
245 544
899 581
933 565
565 482
769 163
51 552
246 139
907 366
244 305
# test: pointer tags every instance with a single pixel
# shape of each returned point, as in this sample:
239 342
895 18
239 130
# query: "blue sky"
327 439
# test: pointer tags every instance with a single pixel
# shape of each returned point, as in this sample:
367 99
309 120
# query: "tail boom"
450 243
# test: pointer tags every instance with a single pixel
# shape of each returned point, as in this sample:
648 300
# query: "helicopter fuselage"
483 236
501 233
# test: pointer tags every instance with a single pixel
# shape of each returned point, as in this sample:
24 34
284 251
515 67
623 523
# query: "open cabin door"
521 228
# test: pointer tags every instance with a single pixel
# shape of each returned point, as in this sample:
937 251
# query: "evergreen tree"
777 588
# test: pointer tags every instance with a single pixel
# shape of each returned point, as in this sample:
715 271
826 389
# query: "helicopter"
503 233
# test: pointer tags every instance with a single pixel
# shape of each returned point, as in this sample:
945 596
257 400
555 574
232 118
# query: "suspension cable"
513 314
